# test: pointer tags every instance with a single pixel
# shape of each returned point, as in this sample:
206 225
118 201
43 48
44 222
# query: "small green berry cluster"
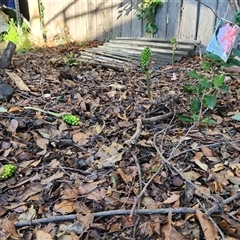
70 119
145 57
8 171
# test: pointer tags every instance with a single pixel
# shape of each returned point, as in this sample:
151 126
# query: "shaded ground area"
130 170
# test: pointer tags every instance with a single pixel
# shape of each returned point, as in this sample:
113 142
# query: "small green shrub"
209 82
18 35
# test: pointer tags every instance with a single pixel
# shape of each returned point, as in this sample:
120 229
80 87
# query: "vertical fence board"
91 18
116 19
224 11
126 18
161 19
187 30
136 23
173 18
206 21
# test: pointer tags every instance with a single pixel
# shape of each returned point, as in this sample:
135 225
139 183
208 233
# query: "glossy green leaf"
206 65
218 80
195 105
184 118
224 87
205 82
236 52
190 89
210 101
194 74
208 121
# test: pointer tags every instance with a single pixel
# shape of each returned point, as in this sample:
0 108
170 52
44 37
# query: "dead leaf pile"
82 182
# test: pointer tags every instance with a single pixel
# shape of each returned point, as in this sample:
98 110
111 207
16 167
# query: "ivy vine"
147 10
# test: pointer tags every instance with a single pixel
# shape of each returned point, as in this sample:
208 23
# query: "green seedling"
173 41
7 171
66 117
209 82
19 35
145 59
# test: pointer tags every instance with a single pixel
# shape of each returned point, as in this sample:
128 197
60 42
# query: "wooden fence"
106 19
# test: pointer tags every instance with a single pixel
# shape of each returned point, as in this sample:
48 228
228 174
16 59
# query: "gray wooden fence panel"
173 18
207 21
136 23
116 20
161 19
187 28
103 19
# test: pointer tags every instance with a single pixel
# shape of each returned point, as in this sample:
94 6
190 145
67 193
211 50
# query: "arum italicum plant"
7 171
145 59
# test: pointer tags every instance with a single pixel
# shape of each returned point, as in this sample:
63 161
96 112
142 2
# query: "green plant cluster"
8 171
147 11
18 35
70 119
145 58
209 82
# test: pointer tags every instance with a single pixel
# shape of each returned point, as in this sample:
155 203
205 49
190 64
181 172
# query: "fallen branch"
137 133
157 118
218 207
72 217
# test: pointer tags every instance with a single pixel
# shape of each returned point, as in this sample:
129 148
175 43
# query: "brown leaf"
80 138
12 127
173 198
64 207
18 81
208 228
109 162
55 176
85 220
8 229
206 151
42 235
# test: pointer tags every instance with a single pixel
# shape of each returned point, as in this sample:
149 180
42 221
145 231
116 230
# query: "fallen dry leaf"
18 81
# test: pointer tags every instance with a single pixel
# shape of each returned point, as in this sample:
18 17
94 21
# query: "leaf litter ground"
130 170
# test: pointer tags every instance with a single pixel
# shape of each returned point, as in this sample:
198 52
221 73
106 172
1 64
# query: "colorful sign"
223 39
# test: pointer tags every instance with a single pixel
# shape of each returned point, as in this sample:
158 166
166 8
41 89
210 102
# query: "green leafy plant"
145 59
173 42
7 171
70 60
147 10
18 35
209 82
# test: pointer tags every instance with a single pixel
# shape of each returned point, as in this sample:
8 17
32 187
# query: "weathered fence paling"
107 19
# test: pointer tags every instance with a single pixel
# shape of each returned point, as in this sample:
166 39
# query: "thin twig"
209 8
218 206
105 214
137 133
